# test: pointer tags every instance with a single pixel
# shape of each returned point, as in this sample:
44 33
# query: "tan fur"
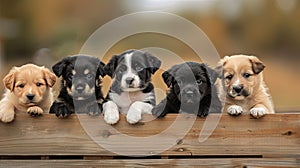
15 97
258 98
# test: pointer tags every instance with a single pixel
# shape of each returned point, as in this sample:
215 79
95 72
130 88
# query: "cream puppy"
28 90
243 86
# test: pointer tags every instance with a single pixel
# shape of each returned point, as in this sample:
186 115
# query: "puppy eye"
246 75
121 69
70 77
89 76
139 68
179 81
199 82
229 77
21 85
38 84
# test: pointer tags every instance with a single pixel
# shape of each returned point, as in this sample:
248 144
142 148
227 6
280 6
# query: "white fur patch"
111 112
258 112
130 74
125 99
235 110
136 110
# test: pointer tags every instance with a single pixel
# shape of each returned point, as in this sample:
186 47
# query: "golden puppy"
243 86
28 90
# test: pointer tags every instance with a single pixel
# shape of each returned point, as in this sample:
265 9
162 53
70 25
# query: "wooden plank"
242 163
276 135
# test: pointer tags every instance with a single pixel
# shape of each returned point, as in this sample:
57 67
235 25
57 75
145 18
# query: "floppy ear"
101 69
59 67
168 75
154 63
257 65
219 68
49 77
111 66
168 78
211 73
9 79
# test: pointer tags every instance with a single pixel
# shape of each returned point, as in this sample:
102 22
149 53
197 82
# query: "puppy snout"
129 80
30 96
79 88
238 88
189 93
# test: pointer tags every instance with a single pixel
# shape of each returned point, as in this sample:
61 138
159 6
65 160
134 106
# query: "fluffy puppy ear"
100 69
9 79
257 65
50 77
60 66
154 62
168 76
211 73
110 67
219 68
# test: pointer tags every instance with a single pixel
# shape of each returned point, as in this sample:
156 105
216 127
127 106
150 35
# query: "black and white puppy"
191 90
80 86
131 92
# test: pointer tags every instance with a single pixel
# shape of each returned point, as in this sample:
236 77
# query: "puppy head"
132 70
29 83
241 75
80 75
190 81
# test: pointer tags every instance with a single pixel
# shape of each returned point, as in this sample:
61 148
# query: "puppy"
28 90
132 92
243 86
191 90
80 86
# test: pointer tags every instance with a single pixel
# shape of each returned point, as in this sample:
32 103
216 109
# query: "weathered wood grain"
238 163
276 135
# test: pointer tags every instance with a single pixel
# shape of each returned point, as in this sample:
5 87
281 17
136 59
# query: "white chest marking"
125 99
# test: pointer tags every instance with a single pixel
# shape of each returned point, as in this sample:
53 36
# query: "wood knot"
288 133
179 141
106 134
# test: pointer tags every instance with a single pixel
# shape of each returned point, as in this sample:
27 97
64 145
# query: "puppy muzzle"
190 95
238 92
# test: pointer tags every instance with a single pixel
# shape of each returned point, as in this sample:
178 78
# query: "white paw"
111 112
133 115
235 110
258 112
35 111
136 110
7 116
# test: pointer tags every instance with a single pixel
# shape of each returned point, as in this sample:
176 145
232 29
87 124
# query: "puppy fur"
242 86
28 90
131 92
80 86
191 90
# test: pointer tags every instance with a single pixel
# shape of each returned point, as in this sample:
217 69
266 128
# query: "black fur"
69 100
192 90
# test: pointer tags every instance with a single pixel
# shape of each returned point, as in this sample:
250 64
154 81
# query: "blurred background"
45 31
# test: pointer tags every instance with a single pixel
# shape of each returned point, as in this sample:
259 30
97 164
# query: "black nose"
30 96
238 89
129 80
79 88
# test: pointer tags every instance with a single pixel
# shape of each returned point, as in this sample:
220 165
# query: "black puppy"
80 86
191 90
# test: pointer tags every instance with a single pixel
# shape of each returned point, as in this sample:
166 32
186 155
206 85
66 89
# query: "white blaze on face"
129 73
